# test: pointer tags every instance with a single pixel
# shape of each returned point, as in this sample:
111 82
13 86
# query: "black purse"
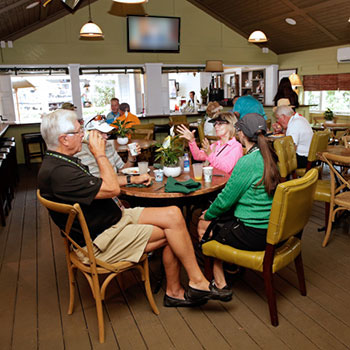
221 227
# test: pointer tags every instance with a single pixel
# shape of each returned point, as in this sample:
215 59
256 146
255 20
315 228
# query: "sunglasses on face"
81 131
220 123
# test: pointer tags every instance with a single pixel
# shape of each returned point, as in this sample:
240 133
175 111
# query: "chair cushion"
284 255
323 191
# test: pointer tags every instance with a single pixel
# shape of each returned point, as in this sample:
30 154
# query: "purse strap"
205 237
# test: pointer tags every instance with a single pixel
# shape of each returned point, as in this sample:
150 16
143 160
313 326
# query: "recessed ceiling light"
33 4
291 21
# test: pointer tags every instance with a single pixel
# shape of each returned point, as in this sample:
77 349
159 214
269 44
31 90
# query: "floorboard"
34 296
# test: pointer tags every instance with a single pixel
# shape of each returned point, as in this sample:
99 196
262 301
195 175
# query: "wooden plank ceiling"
320 23
17 21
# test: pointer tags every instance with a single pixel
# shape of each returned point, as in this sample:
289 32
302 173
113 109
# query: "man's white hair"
284 110
54 124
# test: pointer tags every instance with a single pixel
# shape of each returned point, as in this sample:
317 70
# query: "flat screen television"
153 34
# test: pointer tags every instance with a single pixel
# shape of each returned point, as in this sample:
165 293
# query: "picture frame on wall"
285 73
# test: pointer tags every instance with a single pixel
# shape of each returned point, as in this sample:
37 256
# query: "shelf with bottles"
253 82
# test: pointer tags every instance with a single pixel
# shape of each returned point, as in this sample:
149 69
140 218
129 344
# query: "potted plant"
123 130
204 96
168 153
328 115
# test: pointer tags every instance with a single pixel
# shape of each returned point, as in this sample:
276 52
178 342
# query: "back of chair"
319 143
287 159
178 119
72 212
291 207
201 132
346 140
143 131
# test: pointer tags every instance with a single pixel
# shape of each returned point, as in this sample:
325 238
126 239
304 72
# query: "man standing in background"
114 113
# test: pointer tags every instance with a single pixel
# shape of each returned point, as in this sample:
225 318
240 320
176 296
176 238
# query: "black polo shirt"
65 179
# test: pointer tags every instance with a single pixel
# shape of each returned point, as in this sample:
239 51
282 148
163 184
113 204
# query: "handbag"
221 226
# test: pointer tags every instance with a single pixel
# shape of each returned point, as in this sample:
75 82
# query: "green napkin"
181 186
139 185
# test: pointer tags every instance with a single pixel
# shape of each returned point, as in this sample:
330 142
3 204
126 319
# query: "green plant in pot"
328 115
204 96
123 129
168 154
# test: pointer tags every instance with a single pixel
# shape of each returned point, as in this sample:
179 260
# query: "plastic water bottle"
186 163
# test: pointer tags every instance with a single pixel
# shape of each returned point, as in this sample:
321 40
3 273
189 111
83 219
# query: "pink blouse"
224 157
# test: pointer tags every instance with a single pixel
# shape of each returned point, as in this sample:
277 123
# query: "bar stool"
30 139
9 142
10 179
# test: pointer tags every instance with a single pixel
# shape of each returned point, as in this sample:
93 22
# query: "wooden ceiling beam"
13 6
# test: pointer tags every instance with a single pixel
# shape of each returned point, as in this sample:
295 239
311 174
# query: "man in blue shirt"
114 113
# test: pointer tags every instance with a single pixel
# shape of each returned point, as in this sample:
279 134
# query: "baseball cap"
100 125
68 105
250 124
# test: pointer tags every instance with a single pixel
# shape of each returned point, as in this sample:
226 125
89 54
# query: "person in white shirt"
299 128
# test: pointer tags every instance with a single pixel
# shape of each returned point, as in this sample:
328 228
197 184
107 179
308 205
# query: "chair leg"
208 268
71 279
99 309
326 214
148 288
300 272
328 229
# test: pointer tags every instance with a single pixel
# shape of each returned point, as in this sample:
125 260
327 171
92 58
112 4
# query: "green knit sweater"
251 204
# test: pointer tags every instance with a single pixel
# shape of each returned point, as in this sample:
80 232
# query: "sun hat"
282 102
100 125
68 105
250 124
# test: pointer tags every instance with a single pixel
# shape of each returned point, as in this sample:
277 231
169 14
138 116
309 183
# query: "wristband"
101 156
128 179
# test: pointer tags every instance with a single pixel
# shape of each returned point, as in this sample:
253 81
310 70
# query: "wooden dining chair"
290 212
340 189
143 131
346 141
94 267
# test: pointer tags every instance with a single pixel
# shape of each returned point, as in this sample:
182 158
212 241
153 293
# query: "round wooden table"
144 144
155 195
339 150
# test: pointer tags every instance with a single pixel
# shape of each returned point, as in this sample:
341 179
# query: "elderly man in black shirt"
117 233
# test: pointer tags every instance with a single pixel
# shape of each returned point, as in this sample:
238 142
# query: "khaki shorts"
124 241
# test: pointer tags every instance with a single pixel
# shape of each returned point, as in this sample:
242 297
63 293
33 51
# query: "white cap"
99 125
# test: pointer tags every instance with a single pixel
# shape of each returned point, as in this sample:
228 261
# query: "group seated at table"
224 153
118 234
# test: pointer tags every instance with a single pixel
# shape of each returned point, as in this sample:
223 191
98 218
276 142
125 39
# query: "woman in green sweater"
247 195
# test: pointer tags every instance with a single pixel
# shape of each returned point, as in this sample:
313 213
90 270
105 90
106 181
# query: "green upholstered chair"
290 212
287 158
319 143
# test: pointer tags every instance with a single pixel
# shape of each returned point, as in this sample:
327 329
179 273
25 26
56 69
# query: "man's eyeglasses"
81 131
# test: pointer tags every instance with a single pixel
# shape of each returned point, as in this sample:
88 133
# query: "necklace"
58 156
253 149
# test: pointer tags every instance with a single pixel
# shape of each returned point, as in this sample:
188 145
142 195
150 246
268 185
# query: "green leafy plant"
169 151
204 92
122 128
328 114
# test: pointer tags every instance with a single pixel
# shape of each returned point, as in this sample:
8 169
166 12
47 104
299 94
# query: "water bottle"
186 163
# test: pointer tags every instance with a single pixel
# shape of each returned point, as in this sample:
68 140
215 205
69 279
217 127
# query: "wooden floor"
34 297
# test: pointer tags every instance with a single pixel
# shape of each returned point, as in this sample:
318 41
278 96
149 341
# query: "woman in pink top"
224 153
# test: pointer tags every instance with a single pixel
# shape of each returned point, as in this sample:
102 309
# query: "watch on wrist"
128 179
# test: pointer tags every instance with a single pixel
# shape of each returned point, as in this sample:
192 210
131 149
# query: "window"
35 95
337 100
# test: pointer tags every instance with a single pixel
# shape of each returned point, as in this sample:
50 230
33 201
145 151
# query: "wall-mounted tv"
153 34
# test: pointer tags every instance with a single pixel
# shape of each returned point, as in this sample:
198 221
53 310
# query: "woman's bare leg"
170 220
219 275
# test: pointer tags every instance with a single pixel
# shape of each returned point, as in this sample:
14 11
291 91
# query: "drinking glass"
143 167
197 171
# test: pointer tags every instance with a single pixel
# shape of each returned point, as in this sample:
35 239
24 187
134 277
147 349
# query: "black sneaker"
223 294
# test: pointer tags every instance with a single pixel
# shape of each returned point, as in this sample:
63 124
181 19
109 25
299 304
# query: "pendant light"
257 37
131 1
90 29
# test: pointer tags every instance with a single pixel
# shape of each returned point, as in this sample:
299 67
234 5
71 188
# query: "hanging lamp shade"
131 1
295 80
257 37
91 30
214 66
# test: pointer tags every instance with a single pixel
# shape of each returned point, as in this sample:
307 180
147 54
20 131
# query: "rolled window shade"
326 82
